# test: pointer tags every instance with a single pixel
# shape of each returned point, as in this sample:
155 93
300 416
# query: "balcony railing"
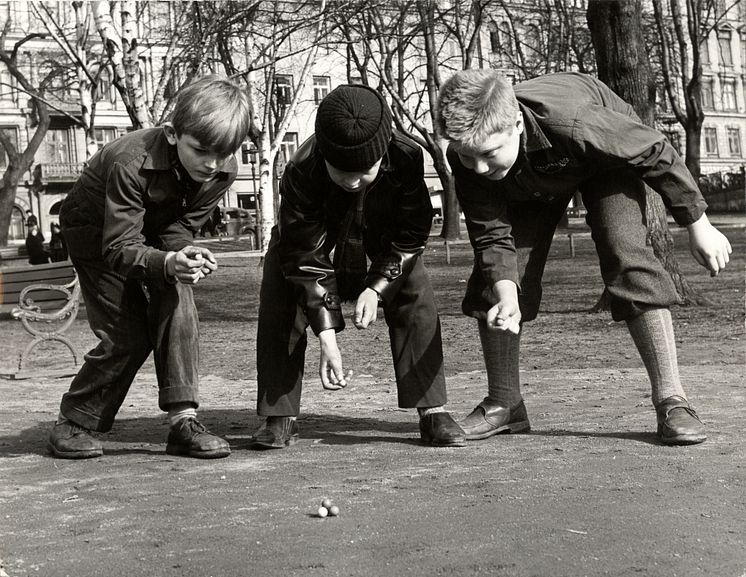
60 171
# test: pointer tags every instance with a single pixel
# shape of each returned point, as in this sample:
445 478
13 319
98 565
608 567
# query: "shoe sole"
517 427
184 452
454 443
93 453
683 440
260 445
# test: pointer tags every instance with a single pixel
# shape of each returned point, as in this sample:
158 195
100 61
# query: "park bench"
45 298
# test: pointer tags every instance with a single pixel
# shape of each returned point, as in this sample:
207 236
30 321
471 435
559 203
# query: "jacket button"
537 194
394 271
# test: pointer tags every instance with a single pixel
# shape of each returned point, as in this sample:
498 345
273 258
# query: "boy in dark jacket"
355 188
518 154
129 224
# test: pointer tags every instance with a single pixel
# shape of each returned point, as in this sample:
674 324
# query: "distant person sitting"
57 248
37 254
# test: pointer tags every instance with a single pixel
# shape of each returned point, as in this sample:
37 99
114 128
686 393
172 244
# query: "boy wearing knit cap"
357 188
518 154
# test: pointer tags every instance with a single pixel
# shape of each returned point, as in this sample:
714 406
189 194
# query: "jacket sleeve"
487 223
123 243
608 136
304 260
413 217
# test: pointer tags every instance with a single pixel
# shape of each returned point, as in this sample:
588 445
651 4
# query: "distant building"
61 156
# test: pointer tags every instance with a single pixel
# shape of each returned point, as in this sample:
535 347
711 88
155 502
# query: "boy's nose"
480 166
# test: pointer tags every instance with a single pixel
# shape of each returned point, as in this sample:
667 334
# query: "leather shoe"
276 433
489 418
678 423
440 430
190 438
70 441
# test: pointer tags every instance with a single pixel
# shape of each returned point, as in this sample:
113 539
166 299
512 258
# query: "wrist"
701 222
169 267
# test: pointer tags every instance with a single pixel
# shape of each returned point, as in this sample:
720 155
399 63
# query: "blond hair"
215 110
474 104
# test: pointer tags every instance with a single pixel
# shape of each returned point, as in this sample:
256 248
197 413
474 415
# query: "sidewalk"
589 492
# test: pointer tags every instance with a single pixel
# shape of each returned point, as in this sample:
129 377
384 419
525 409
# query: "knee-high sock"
501 351
652 332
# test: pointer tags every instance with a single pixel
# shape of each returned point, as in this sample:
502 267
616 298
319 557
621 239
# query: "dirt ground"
589 492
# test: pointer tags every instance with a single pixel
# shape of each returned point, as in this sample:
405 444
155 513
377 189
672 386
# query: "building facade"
63 153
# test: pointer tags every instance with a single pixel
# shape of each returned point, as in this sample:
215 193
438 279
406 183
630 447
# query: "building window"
711 141
704 52
675 139
729 94
17 229
726 55
104 135
12 134
494 40
57 146
289 145
283 90
321 87
105 88
734 141
247 201
7 82
708 103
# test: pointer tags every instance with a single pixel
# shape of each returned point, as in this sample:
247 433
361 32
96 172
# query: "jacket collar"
535 140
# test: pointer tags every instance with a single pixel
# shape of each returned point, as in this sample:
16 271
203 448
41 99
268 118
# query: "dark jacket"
575 129
397 213
37 253
134 202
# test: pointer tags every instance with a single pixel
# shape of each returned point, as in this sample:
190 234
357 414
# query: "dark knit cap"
353 127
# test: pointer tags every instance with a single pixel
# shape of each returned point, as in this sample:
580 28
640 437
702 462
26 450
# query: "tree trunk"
123 58
622 58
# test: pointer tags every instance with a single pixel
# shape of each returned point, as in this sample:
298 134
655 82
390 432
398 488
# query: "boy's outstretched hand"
190 264
333 376
708 245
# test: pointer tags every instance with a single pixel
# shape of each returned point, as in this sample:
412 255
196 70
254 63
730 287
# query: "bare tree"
680 40
550 37
75 45
404 47
623 63
262 42
21 160
120 44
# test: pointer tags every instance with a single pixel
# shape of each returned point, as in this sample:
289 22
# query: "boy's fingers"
699 258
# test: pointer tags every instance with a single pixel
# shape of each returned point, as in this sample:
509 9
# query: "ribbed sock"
181 411
652 333
501 355
425 411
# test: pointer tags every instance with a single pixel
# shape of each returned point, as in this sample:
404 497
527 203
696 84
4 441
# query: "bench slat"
14 279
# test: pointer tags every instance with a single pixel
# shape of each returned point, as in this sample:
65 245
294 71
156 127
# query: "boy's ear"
519 123
170 131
